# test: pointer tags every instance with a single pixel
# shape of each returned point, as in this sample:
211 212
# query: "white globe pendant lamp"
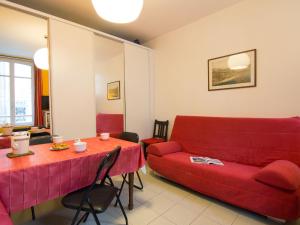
40 59
239 61
118 11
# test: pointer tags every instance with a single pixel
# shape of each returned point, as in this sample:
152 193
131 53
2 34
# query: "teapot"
20 142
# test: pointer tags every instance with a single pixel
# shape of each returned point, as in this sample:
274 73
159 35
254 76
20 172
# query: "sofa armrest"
281 174
164 148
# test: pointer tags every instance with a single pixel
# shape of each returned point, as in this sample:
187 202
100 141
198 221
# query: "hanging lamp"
118 11
40 59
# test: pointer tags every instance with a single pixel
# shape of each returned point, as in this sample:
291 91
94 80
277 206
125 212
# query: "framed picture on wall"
236 70
113 90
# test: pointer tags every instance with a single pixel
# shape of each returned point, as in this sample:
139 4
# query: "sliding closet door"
138 91
72 80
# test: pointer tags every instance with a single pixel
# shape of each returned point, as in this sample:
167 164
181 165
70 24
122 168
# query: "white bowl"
104 136
80 146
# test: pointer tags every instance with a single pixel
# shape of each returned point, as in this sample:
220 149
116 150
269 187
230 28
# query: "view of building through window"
16 92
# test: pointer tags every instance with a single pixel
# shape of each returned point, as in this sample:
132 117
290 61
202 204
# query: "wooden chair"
160 134
96 197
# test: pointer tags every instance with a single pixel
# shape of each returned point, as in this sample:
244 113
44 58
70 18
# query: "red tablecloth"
30 180
4 217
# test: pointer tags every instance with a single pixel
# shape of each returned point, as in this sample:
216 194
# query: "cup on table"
80 146
104 136
57 139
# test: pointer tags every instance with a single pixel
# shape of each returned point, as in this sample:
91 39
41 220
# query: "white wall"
72 80
270 26
109 67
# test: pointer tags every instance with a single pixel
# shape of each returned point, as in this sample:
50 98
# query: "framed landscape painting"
113 90
232 71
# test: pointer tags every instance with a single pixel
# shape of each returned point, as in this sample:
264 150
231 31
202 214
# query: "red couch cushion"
233 183
280 173
252 141
164 148
230 174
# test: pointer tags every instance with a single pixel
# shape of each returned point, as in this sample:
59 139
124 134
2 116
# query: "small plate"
59 149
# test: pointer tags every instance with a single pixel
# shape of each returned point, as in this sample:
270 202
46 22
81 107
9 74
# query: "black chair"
37 140
133 137
160 134
96 197
39 134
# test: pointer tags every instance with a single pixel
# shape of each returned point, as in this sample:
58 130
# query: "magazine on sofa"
206 160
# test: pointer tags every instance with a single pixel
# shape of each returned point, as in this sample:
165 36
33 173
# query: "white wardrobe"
72 77
138 89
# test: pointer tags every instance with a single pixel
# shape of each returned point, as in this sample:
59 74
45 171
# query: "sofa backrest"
111 123
253 141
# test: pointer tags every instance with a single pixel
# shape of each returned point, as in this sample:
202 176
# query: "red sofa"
111 123
4 142
261 161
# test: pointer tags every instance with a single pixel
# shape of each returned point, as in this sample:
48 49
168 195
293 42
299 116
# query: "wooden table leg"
130 186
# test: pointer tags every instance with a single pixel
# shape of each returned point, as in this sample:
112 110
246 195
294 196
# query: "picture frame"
232 71
113 90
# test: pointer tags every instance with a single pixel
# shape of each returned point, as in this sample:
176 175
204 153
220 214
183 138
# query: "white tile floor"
164 203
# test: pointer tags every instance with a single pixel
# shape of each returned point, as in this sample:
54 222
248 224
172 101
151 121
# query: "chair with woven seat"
160 134
95 198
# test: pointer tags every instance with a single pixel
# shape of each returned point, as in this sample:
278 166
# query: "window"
16 91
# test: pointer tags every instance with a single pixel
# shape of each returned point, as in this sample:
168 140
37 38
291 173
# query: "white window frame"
12 61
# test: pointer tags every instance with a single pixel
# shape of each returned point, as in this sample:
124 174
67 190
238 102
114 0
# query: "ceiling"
24 33
158 16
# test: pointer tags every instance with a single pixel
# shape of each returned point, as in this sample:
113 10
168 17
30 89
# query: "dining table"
33 179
